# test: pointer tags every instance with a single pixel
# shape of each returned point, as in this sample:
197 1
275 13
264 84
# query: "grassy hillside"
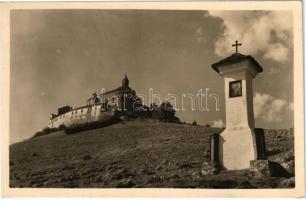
130 154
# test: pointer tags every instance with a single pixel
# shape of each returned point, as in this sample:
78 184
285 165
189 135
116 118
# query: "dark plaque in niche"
235 89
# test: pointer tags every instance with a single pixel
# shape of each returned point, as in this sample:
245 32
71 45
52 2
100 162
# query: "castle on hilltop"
97 108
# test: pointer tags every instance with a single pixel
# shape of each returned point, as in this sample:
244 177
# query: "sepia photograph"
199 99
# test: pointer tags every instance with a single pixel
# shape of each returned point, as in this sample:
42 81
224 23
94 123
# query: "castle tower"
125 82
237 143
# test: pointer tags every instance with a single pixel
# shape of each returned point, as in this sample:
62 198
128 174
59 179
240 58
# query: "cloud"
218 124
199 36
266 32
269 108
277 52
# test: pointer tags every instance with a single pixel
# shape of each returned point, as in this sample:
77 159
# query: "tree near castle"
165 112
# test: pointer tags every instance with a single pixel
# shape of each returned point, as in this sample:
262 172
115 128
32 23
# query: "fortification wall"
80 116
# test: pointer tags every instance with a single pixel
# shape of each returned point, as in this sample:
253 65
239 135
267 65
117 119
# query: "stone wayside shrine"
240 145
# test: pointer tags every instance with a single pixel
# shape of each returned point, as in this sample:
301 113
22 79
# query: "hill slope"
130 154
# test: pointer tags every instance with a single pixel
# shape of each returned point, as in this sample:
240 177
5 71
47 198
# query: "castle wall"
80 116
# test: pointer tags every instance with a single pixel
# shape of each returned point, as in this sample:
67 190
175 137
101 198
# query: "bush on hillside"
62 127
45 131
165 112
37 134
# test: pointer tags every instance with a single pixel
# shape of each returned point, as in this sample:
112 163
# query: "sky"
61 57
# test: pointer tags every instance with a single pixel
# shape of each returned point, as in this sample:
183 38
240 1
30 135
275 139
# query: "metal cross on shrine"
236 45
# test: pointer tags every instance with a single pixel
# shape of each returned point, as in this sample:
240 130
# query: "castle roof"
234 58
86 106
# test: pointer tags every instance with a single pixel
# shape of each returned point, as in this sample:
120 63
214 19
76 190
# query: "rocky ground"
137 154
